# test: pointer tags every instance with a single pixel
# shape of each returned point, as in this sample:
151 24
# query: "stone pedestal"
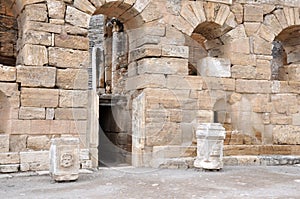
210 139
64 159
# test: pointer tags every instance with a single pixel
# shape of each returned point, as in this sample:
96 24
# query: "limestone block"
73 98
34 55
253 86
68 58
64 159
17 143
230 21
188 14
158 134
175 51
210 11
235 46
41 26
296 119
36 12
243 72
9 158
38 142
222 15
38 97
7 73
169 151
272 21
9 89
280 119
69 41
34 161
266 33
251 28
253 13
261 104
49 113
285 103
163 66
184 82
36 76
71 114
279 13
31 113
286 134
237 33
289 15
238 11
4 143
145 51
205 101
261 46
84 6
77 17
19 127
9 168
181 24
72 79
214 67
37 37
263 69
242 59
141 4
146 81
56 9
75 30
151 12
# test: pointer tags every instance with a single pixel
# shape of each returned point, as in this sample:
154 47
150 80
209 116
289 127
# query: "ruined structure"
147 71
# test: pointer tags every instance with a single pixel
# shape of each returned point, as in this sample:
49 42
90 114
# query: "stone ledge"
261 160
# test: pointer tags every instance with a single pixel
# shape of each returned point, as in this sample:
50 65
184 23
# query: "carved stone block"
64 159
210 139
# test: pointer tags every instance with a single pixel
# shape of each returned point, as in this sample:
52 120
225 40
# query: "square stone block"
64 159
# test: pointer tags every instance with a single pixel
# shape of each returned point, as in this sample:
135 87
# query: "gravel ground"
127 182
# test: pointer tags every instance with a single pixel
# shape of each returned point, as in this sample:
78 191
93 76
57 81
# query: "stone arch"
8 35
195 13
203 24
286 58
277 31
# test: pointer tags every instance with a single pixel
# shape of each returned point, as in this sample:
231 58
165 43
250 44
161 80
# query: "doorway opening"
114 137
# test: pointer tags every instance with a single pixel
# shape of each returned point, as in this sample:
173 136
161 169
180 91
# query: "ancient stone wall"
186 59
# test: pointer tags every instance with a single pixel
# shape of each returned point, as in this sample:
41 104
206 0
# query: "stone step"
237 150
261 160
243 160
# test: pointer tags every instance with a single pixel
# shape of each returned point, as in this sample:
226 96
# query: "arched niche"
286 55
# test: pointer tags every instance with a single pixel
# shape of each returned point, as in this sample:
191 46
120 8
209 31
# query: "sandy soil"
127 182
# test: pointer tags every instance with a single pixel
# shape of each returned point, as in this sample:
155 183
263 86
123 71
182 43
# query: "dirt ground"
127 182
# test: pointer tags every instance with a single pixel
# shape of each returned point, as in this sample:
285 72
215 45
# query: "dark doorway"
114 140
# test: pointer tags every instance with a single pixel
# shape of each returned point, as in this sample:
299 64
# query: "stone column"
64 159
119 58
210 139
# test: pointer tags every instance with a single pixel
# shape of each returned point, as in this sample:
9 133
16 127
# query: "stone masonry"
177 63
